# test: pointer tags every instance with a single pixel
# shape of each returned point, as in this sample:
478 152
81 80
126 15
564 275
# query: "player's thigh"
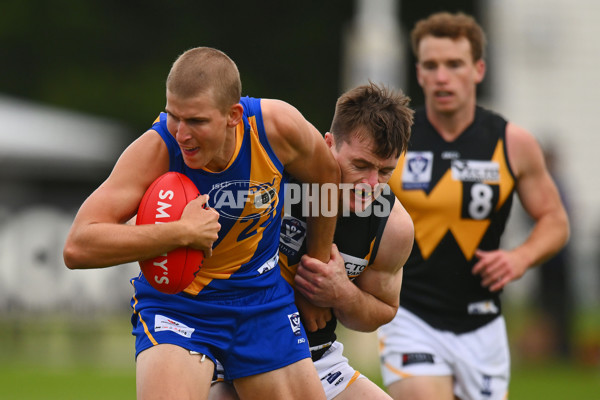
363 389
169 371
297 381
222 391
423 388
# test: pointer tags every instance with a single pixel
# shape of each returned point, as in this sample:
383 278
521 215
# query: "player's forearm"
363 312
321 227
320 232
103 245
548 237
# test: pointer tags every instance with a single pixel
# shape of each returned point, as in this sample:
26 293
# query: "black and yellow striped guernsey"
459 195
357 238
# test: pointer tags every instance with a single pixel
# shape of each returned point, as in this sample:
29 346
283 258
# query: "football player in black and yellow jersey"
457 180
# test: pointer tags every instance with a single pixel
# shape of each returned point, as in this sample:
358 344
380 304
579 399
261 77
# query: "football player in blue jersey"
238 309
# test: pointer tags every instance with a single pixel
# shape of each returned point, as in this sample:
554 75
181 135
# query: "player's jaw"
361 196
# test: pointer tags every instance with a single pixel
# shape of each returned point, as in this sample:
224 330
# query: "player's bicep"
534 185
383 278
117 198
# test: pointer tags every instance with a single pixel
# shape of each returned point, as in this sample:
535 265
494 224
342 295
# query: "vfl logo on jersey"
232 197
295 323
354 265
475 171
416 173
291 236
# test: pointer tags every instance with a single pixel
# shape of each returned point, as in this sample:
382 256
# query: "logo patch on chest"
475 171
417 170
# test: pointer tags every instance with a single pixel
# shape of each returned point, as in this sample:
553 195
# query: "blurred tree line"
110 57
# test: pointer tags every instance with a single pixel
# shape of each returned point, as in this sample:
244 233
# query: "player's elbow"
388 315
73 256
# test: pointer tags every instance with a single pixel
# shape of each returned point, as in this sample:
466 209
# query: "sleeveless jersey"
357 238
459 196
248 197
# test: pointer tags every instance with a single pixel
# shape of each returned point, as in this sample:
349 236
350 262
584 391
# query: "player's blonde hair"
453 26
203 69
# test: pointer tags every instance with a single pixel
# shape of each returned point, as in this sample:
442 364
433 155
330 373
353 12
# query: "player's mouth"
362 192
442 94
189 150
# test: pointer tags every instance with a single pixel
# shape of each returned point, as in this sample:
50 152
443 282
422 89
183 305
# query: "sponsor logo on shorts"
295 323
417 358
162 323
334 378
486 386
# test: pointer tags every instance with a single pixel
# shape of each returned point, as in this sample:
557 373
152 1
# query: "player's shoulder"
400 224
279 116
523 148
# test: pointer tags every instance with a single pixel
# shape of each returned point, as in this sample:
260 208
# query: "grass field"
47 358
531 382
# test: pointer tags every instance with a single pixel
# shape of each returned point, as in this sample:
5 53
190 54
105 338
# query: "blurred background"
80 80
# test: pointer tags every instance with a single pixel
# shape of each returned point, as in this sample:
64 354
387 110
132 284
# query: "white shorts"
335 372
478 360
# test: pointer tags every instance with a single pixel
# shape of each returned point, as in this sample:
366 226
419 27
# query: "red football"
164 201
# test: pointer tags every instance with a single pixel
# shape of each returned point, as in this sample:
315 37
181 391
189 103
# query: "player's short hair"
377 112
453 26
203 69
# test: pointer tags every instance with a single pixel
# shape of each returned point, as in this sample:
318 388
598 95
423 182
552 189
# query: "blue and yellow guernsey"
248 195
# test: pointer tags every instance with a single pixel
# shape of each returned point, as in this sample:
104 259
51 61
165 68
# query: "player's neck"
450 125
226 155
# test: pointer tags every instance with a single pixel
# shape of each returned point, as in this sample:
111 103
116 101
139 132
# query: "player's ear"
329 139
479 70
235 114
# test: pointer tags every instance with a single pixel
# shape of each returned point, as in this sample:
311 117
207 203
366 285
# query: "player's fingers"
310 325
303 285
203 199
308 263
499 284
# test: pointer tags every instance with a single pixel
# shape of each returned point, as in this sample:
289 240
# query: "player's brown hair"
375 111
453 26
202 69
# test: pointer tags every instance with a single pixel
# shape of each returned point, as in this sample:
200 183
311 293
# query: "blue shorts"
249 331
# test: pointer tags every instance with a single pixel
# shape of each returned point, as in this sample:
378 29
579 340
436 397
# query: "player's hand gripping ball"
164 201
